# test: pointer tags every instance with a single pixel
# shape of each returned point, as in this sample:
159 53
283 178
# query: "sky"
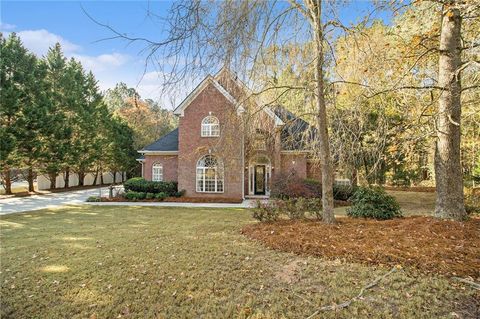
40 24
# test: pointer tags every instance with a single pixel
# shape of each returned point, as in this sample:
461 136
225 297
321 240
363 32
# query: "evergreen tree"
17 82
59 130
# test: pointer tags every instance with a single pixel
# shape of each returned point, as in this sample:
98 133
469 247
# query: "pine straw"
425 243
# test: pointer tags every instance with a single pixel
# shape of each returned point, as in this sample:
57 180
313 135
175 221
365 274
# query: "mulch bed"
203 200
178 200
428 244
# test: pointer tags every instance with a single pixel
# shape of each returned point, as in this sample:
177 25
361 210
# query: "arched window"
157 172
209 175
210 126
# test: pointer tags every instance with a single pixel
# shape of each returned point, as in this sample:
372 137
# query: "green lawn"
148 262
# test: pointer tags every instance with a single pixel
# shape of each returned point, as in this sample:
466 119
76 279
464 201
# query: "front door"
259 179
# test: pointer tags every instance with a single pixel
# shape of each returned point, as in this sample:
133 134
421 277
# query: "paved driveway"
23 204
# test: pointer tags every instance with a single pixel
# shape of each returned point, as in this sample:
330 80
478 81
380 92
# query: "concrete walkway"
34 202
23 204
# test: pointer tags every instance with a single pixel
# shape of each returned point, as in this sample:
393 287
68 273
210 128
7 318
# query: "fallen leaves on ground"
426 243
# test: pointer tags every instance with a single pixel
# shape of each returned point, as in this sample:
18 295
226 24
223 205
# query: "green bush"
94 199
134 196
139 184
266 211
161 196
373 203
294 208
150 196
343 192
180 193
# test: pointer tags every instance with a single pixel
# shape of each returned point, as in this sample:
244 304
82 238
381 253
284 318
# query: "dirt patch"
290 272
428 244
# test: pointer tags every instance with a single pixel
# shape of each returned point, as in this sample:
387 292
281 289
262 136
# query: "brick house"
227 146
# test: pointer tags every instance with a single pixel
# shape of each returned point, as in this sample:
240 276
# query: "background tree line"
54 119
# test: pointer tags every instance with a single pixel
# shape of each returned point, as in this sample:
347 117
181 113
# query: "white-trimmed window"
210 126
209 175
260 142
157 172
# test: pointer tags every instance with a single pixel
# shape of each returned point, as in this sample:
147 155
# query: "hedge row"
140 185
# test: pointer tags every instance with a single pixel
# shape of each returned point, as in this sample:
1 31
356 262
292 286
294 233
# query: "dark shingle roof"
141 158
168 142
296 134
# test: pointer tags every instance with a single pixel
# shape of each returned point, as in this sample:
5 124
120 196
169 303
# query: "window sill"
200 192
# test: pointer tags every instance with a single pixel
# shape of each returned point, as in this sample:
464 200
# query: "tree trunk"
114 177
101 176
30 177
448 169
7 180
95 178
325 160
354 177
81 177
67 177
53 180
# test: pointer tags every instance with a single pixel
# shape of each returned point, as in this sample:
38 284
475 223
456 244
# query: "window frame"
210 127
160 175
202 171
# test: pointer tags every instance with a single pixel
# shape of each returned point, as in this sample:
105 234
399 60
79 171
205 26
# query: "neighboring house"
228 146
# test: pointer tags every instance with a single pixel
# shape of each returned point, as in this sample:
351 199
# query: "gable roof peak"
179 110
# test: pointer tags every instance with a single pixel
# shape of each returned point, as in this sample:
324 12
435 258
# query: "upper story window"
209 175
210 126
157 172
260 142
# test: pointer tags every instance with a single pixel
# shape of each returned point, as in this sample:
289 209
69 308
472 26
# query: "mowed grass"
150 262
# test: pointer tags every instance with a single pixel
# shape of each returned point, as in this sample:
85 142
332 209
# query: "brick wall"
296 162
228 146
170 166
314 170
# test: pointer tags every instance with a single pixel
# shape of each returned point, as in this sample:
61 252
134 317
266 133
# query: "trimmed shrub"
139 184
134 196
94 199
180 193
373 203
343 192
161 196
266 211
150 196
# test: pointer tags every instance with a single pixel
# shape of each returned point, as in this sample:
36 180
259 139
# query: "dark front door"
259 179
